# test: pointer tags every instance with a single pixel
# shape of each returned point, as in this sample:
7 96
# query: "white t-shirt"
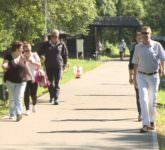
34 58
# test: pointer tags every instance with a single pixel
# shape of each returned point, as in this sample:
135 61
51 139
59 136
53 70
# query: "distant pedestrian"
33 61
55 56
45 38
122 48
131 71
99 46
147 57
15 72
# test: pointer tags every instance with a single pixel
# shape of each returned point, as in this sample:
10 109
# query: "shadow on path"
97 120
118 95
121 84
104 109
100 131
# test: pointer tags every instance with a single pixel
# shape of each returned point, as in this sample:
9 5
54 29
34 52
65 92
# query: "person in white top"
122 48
34 63
147 58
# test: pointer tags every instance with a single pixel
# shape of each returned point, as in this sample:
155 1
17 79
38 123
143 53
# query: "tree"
106 7
130 8
72 16
24 17
5 37
155 15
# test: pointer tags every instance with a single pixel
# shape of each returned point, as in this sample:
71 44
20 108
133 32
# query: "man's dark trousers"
137 101
54 76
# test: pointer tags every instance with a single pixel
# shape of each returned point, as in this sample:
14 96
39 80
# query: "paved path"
97 112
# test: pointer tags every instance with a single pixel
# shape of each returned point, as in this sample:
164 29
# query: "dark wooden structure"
117 23
90 41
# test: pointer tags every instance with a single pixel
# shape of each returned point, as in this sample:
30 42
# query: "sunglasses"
25 51
54 36
145 33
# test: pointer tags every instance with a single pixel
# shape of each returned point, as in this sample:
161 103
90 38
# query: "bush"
113 50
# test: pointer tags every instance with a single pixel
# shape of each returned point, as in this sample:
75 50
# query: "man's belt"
149 74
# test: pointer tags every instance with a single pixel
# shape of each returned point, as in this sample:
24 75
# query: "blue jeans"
16 93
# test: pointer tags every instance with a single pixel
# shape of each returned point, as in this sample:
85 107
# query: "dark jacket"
131 65
55 55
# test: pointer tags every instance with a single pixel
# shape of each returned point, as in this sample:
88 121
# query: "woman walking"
16 70
33 62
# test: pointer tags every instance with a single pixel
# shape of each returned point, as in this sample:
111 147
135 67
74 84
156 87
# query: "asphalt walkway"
97 112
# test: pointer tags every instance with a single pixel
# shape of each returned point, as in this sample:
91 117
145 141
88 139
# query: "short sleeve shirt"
148 57
35 58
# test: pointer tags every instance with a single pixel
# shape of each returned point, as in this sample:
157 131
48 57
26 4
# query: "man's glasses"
26 51
145 33
54 36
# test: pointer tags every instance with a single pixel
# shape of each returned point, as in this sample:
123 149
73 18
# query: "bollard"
77 71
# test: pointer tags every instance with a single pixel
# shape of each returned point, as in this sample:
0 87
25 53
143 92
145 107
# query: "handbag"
41 78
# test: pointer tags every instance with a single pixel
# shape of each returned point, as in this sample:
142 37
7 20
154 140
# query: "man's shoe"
139 117
34 109
51 100
19 117
56 102
152 126
12 117
145 129
27 113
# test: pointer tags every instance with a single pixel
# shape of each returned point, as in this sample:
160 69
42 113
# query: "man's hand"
43 58
65 67
131 76
135 83
162 68
130 80
162 73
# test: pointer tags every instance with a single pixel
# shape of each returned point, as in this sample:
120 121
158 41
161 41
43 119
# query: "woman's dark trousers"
30 91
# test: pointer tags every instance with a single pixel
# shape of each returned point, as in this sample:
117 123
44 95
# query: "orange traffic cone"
77 71
78 74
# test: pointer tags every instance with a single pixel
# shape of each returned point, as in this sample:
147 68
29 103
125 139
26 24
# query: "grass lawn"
87 65
161 117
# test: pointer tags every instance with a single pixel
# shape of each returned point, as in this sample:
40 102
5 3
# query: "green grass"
161 127
87 65
161 96
1 60
3 109
161 111
161 118
114 50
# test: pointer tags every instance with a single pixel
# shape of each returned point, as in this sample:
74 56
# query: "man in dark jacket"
131 71
54 54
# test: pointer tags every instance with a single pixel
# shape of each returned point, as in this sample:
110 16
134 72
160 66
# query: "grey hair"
55 32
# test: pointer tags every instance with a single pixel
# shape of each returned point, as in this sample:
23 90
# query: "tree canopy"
25 19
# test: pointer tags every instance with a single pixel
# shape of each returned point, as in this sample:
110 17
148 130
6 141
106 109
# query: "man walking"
130 67
54 54
147 58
